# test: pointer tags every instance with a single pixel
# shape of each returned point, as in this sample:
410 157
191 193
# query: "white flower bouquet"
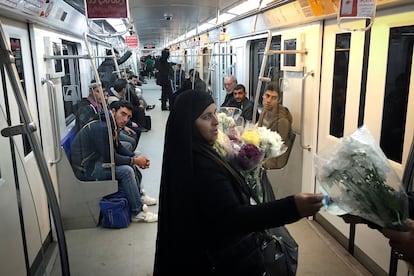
358 180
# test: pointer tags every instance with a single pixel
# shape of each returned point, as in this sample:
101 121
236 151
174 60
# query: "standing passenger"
164 77
195 180
276 117
107 69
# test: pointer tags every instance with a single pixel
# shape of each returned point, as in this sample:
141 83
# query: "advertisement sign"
131 41
106 9
357 8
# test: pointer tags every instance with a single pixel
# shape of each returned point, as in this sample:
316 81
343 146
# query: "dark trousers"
166 94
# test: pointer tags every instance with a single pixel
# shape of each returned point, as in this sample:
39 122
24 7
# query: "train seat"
288 180
79 200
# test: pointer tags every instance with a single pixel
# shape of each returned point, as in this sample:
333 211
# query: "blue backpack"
115 211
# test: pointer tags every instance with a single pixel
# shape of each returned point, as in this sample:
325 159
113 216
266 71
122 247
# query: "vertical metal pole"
108 118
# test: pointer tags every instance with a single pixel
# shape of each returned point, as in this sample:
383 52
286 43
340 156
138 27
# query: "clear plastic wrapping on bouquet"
357 179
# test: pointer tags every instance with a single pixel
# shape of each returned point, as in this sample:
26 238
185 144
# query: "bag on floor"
147 122
115 211
280 252
283 240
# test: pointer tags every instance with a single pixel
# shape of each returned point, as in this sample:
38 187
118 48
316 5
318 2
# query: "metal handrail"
261 73
104 107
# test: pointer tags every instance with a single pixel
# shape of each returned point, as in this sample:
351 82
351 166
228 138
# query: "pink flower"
249 157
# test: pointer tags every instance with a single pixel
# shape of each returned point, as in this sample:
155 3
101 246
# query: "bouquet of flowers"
357 179
247 147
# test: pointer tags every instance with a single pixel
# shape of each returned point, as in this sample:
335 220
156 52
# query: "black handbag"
280 252
284 241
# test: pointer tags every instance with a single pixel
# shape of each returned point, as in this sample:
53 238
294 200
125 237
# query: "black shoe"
149 107
165 109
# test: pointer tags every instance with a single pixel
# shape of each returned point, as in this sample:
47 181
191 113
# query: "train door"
224 64
367 79
25 230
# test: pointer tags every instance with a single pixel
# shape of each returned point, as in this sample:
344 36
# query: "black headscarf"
175 229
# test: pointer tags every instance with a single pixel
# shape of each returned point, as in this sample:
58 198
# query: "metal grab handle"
302 113
55 128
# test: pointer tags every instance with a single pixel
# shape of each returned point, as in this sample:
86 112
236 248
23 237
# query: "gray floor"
130 251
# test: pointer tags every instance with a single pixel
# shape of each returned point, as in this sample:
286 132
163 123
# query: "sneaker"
147 200
145 216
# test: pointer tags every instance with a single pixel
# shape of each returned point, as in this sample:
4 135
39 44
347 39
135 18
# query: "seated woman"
219 216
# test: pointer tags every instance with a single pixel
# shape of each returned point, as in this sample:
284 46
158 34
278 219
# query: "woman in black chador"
207 224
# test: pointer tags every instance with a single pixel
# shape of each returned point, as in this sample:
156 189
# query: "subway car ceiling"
162 24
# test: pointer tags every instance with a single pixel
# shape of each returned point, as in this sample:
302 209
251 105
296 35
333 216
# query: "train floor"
130 251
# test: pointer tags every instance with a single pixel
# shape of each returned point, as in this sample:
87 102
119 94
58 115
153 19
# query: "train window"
15 45
399 62
340 81
70 81
290 60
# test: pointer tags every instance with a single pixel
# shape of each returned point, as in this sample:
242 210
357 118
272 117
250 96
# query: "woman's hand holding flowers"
308 204
402 242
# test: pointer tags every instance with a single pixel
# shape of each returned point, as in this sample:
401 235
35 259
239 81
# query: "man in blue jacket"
90 155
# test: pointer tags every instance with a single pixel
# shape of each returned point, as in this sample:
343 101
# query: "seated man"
133 83
276 117
241 101
90 107
130 132
90 152
229 83
138 111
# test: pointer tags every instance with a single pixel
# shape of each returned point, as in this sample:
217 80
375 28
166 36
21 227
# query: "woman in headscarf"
207 225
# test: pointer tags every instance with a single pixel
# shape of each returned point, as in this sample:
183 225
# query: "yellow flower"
251 137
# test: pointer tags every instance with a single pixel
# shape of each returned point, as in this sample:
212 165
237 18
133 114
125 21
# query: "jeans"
127 182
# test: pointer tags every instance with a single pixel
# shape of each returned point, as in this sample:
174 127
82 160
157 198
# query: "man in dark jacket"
90 153
108 69
90 107
164 77
241 101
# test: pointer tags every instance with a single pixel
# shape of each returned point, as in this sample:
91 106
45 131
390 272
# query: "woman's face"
207 124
